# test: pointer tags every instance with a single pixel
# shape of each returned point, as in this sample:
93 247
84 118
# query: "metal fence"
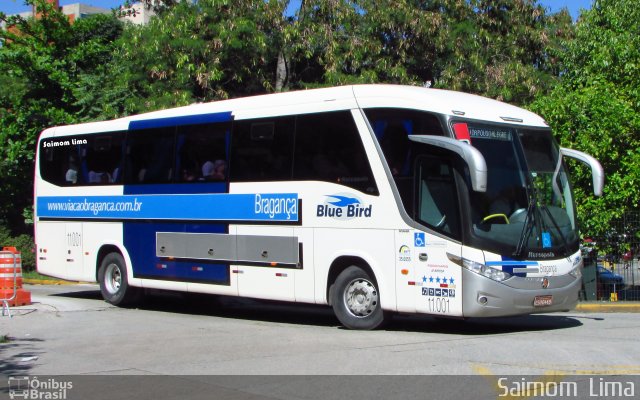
612 262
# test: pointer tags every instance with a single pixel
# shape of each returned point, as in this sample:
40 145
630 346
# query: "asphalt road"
70 330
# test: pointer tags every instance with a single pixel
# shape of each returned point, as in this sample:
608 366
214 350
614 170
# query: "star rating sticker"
424 278
431 279
451 281
438 280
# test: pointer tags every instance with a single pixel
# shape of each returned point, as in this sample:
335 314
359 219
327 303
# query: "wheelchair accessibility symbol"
546 240
418 239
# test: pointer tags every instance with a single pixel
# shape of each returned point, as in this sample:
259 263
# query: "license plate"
543 301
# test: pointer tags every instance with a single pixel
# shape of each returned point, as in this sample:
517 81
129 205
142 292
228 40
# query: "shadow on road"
20 363
485 326
317 315
81 294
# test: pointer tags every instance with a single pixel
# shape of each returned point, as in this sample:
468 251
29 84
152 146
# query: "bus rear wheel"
114 285
356 300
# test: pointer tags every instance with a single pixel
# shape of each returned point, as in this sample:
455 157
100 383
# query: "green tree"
45 64
596 107
501 49
505 49
321 43
194 52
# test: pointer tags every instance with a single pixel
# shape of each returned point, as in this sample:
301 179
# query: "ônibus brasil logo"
342 206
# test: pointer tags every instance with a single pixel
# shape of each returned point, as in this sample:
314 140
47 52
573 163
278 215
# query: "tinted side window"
103 159
82 160
392 126
59 161
150 156
329 148
262 150
437 200
203 152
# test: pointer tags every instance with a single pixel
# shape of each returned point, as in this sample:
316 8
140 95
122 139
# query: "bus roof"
330 99
445 102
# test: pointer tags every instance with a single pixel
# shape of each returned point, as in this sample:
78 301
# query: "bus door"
438 279
267 262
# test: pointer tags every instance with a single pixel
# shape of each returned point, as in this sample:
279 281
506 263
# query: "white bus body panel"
411 266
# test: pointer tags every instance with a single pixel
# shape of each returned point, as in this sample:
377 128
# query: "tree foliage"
196 52
596 107
505 50
44 65
501 49
583 77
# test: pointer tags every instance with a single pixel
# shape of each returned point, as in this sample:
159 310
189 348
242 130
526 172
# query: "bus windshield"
527 210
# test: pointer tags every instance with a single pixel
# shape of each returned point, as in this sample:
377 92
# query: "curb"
47 282
630 307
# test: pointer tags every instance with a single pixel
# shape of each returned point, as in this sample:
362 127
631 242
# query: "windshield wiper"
528 223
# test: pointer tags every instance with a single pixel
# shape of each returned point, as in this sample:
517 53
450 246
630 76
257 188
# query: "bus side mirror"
472 156
596 169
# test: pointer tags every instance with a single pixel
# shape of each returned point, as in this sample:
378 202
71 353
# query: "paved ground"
69 330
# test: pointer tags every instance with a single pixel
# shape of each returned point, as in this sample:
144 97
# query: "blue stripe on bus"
180 200
512 262
181 120
509 264
280 207
140 241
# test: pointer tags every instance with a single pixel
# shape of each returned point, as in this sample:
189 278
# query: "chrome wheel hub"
361 297
113 278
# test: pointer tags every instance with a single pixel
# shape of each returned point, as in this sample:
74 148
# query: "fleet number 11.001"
74 239
438 305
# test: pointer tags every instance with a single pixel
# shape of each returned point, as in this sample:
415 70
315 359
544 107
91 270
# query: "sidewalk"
608 306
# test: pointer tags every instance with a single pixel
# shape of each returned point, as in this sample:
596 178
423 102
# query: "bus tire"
356 300
114 285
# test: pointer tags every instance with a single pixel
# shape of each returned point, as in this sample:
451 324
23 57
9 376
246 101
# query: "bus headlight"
489 272
480 269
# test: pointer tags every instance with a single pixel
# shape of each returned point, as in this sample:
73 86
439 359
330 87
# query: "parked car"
607 282
607 277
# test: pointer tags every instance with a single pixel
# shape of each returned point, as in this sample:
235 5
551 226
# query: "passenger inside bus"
71 175
214 171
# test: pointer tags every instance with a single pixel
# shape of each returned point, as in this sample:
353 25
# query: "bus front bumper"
483 297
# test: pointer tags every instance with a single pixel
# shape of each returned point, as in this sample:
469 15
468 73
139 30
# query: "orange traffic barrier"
11 290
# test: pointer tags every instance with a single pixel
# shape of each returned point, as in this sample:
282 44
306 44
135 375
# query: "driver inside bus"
395 144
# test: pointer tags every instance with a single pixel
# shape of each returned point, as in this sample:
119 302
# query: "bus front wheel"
356 300
114 285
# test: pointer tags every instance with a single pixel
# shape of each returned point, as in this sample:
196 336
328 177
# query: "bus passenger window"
150 156
82 160
262 150
392 127
329 148
102 159
202 152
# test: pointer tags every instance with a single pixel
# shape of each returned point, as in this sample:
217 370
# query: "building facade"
136 14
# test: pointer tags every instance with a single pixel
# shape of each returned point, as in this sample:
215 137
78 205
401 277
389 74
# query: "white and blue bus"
374 199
